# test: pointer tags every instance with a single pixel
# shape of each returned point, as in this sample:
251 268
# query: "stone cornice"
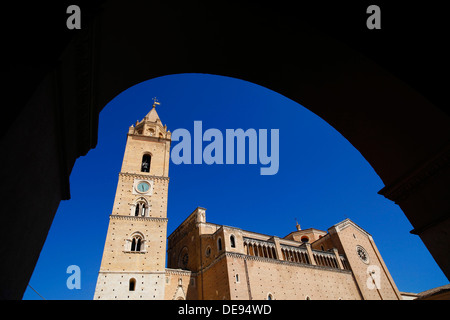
143 176
131 272
180 272
149 138
137 218
345 224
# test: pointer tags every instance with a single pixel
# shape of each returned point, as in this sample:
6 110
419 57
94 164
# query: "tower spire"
153 115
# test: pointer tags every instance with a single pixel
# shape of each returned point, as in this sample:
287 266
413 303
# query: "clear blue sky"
322 180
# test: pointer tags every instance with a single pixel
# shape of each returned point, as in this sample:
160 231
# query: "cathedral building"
206 261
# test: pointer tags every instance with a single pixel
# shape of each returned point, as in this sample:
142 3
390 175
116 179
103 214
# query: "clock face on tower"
143 187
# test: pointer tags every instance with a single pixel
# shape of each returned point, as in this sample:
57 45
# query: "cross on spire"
155 102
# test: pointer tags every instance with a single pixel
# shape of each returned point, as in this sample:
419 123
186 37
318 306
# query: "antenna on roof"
297 225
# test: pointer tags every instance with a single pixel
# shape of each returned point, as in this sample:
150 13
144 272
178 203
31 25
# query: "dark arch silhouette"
372 88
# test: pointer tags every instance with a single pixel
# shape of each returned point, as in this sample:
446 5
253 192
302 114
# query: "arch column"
310 254
338 259
279 254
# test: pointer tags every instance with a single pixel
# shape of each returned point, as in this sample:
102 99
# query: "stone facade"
205 261
231 263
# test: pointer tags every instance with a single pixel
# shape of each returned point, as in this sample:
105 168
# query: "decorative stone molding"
201 215
143 176
137 218
251 241
324 254
179 293
299 248
345 224
134 252
180 272
131 272
149 138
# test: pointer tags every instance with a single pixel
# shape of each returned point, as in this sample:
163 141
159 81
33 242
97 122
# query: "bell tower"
133 262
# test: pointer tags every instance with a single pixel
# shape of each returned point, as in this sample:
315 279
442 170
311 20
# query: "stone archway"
399 132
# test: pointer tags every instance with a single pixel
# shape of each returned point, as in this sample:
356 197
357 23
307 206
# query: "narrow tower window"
219 244
146 159
132 284
232 242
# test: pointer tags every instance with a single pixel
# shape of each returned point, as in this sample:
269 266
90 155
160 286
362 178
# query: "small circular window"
305 239
362 254
208 251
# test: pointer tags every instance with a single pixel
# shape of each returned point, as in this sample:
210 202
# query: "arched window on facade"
132 284
219 244
141 208
232 242
137 243
146 160
183 259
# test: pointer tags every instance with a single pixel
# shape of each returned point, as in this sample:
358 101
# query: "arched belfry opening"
146 161
401 132
141 208
136 243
